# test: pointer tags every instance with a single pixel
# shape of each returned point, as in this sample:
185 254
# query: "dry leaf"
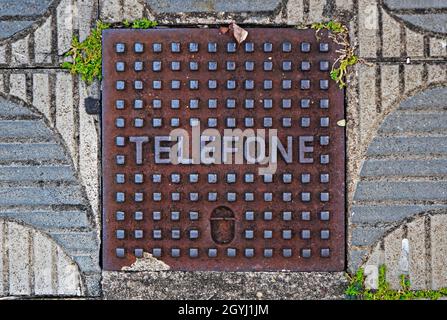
223 30
238 33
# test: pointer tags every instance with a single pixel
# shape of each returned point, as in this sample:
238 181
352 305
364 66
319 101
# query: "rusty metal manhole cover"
204 216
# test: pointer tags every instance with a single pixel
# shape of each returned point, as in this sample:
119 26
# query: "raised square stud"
305 196
324 215
212 47
324 234
120 216
268 253
120 66
306 253
268 47
249 215
249 65
287 215
305 47
120 48
157 47
305 65
249 47
175 47
193 252
305 215
249 252
138 66
193 47
138 215
139 47
231 47
193 65
286 46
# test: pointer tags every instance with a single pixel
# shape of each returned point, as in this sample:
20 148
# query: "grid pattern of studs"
158 80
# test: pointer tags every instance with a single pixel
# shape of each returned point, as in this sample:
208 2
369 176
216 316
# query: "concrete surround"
49 149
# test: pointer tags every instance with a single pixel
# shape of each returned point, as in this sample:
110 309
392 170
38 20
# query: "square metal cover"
222 216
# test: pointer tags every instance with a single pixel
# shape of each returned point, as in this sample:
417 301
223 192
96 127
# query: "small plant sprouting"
356 289
143 23
340 35
86 56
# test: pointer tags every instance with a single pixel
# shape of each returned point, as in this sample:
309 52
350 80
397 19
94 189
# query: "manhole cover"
221 216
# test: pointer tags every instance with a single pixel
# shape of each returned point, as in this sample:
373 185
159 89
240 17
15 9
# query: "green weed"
86 56
357 290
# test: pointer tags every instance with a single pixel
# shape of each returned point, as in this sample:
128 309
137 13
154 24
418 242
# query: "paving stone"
417 122
373 214
366 235
65 111
3 58
69 195
413 76
43 255
414 43
9 28
76 241
32 152
68 278
344 4
20 52
437 73
89 149
18 238
406 145
367 99
393 252
23 7
87 263
111 10
134 9
438 47
24 130
295 12
433 99
418 4
9 109
41 94
86 13
368 26
43 45
390 85
436 22
48 220
438 236
418 266
407 168
64 26
175 6
3 290
37 173
18 85
316 10
355 259
391 36
398 190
